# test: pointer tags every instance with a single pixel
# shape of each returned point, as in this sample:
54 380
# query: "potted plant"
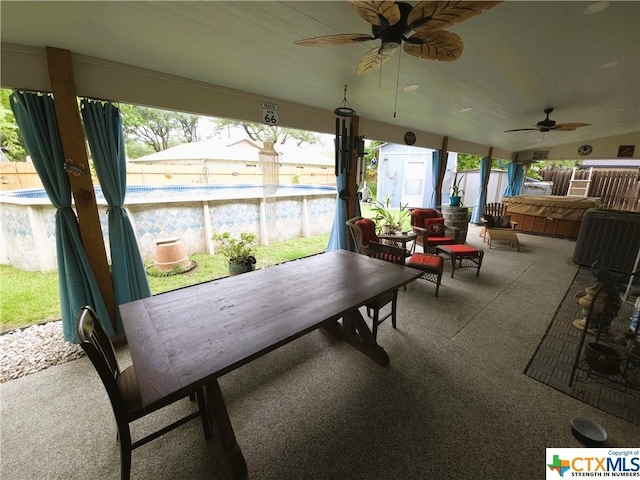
386 219
240 252
456 192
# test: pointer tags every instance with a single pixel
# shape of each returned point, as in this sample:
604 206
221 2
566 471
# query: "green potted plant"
456 192
386 219
240 252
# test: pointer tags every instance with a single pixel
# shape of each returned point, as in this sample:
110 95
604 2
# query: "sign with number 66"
270 113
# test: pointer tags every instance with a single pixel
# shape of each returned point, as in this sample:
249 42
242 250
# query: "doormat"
553 361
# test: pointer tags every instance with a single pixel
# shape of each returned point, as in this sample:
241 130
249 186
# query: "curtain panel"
515 179
436 168
485 172
103 127
36 118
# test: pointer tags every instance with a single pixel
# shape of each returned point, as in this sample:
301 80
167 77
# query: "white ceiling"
519 58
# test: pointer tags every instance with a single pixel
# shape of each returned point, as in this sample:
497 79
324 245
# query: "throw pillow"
434 227
503 221
490 219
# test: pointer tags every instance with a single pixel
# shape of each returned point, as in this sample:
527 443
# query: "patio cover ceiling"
518 59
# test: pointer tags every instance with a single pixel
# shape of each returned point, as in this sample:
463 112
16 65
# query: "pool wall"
27 233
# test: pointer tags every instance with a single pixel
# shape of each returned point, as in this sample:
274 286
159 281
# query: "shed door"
415 173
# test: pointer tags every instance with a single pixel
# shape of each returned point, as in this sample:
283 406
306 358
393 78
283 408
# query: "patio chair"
122 388
496 216
428 225
363 231
391 254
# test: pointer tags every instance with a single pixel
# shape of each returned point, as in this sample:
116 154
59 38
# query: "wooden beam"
76 158
443 169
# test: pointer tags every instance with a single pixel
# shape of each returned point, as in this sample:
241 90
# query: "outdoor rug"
553 361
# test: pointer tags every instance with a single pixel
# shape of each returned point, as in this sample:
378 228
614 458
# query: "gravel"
33 349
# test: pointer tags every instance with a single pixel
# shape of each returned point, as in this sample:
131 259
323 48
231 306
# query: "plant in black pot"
240 252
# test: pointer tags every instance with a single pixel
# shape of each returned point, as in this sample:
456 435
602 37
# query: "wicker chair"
428 225
363 232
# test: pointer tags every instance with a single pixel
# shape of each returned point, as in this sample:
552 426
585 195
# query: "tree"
259 132
157 128
189 125
10 139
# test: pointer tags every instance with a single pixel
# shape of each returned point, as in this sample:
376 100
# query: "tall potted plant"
386 218
456 192
240 252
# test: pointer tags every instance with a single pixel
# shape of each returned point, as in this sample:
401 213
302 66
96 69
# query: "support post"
75 154
443 169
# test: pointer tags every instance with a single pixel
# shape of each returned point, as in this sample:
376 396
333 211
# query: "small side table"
400 240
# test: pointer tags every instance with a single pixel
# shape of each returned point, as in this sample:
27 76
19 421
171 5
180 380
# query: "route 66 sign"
270 113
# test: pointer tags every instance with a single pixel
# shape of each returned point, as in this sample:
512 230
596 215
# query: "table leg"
221 425
355 331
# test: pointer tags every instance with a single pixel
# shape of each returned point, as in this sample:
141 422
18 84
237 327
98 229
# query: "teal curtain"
36 117
103 127
515 179
436 166
485 171
338 238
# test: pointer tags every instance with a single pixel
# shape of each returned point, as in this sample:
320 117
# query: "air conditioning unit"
613 235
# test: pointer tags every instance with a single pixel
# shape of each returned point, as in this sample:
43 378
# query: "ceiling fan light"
596 7
411 88
389 45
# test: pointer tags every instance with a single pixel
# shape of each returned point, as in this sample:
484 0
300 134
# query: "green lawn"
28 298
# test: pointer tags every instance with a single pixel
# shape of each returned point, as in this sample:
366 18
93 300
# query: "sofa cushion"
434 227
421 260
503 221
368 229
489 220
419 214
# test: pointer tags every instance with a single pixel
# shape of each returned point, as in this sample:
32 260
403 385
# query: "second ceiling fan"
547 125
392 24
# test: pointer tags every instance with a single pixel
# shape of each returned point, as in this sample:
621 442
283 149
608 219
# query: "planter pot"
169 254
454 201
237 269
602 358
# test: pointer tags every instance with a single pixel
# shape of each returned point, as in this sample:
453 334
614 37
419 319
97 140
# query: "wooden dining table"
185 339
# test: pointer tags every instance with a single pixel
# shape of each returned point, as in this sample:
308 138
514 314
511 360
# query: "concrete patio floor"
454 402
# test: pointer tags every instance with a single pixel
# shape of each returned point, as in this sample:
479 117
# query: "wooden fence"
618 189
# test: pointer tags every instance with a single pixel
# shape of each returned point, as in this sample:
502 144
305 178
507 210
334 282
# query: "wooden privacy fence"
618 189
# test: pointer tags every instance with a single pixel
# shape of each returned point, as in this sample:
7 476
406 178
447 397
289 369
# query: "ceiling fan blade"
569 127
373 59
439 45
522 130
436 15
381 13
342 39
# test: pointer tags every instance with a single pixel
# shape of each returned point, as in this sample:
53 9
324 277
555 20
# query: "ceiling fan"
547 125
392 23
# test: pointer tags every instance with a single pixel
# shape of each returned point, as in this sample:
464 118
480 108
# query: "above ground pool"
191 213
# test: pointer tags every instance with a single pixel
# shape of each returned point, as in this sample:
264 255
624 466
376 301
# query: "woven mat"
553 361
